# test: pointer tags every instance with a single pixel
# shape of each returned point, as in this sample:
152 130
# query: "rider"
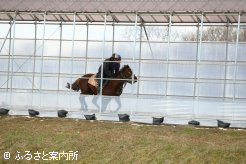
110 67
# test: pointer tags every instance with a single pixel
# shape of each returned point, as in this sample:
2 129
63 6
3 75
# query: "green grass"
109 142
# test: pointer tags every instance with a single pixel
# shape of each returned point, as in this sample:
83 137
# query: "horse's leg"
118 101
105 102
83 103
94 101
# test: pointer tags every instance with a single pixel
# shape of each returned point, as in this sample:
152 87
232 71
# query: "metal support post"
236 57
59 67
197 84
42 62
103 53
71 71
86 50
12 60
168 51
226 61
139 61
34 61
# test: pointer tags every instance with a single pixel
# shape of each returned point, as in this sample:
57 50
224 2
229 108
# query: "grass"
109 142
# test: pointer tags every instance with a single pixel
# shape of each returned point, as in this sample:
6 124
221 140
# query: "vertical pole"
59 67
9 55
34 61
196 65
135 49
86 53
226 60
9 64
199 59
71 79
102 59
168 51
135 42
198 62
12 60
236 58
139 61
42 62
60 49
113 37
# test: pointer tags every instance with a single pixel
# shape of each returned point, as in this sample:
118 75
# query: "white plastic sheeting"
174 110
179 79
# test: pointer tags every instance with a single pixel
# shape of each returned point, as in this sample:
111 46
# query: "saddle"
93 81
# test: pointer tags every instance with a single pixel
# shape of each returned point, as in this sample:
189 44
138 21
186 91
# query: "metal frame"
236 57
42 62
168 53
12 59
72 61
139 61
198 61
88 16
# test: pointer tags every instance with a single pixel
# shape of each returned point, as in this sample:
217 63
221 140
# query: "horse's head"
126 73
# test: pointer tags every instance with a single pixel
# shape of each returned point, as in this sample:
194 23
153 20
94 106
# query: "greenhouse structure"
189 57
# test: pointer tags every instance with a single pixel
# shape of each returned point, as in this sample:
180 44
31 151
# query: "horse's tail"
75 86
68 86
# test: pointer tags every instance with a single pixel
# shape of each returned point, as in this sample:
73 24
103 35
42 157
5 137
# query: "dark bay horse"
112 88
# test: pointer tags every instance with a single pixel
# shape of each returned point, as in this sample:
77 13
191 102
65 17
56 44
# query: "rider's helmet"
116 56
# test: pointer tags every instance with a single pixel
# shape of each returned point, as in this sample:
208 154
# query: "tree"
218 33
210 33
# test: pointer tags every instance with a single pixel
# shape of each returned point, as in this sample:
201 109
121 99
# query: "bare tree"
210 33
218 33
154 33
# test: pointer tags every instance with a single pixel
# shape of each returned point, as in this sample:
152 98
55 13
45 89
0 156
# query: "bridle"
123 75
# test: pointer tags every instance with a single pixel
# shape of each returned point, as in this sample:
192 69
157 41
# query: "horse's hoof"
158 120
62 113
4 111
124 117
33 113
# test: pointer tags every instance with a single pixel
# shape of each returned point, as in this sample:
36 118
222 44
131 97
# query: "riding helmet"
116 56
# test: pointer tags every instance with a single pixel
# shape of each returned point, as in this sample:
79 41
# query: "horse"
114 86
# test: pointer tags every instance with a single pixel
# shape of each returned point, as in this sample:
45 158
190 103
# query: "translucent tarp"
181 75
174 110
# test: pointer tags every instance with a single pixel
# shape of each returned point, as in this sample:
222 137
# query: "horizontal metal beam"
152 16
